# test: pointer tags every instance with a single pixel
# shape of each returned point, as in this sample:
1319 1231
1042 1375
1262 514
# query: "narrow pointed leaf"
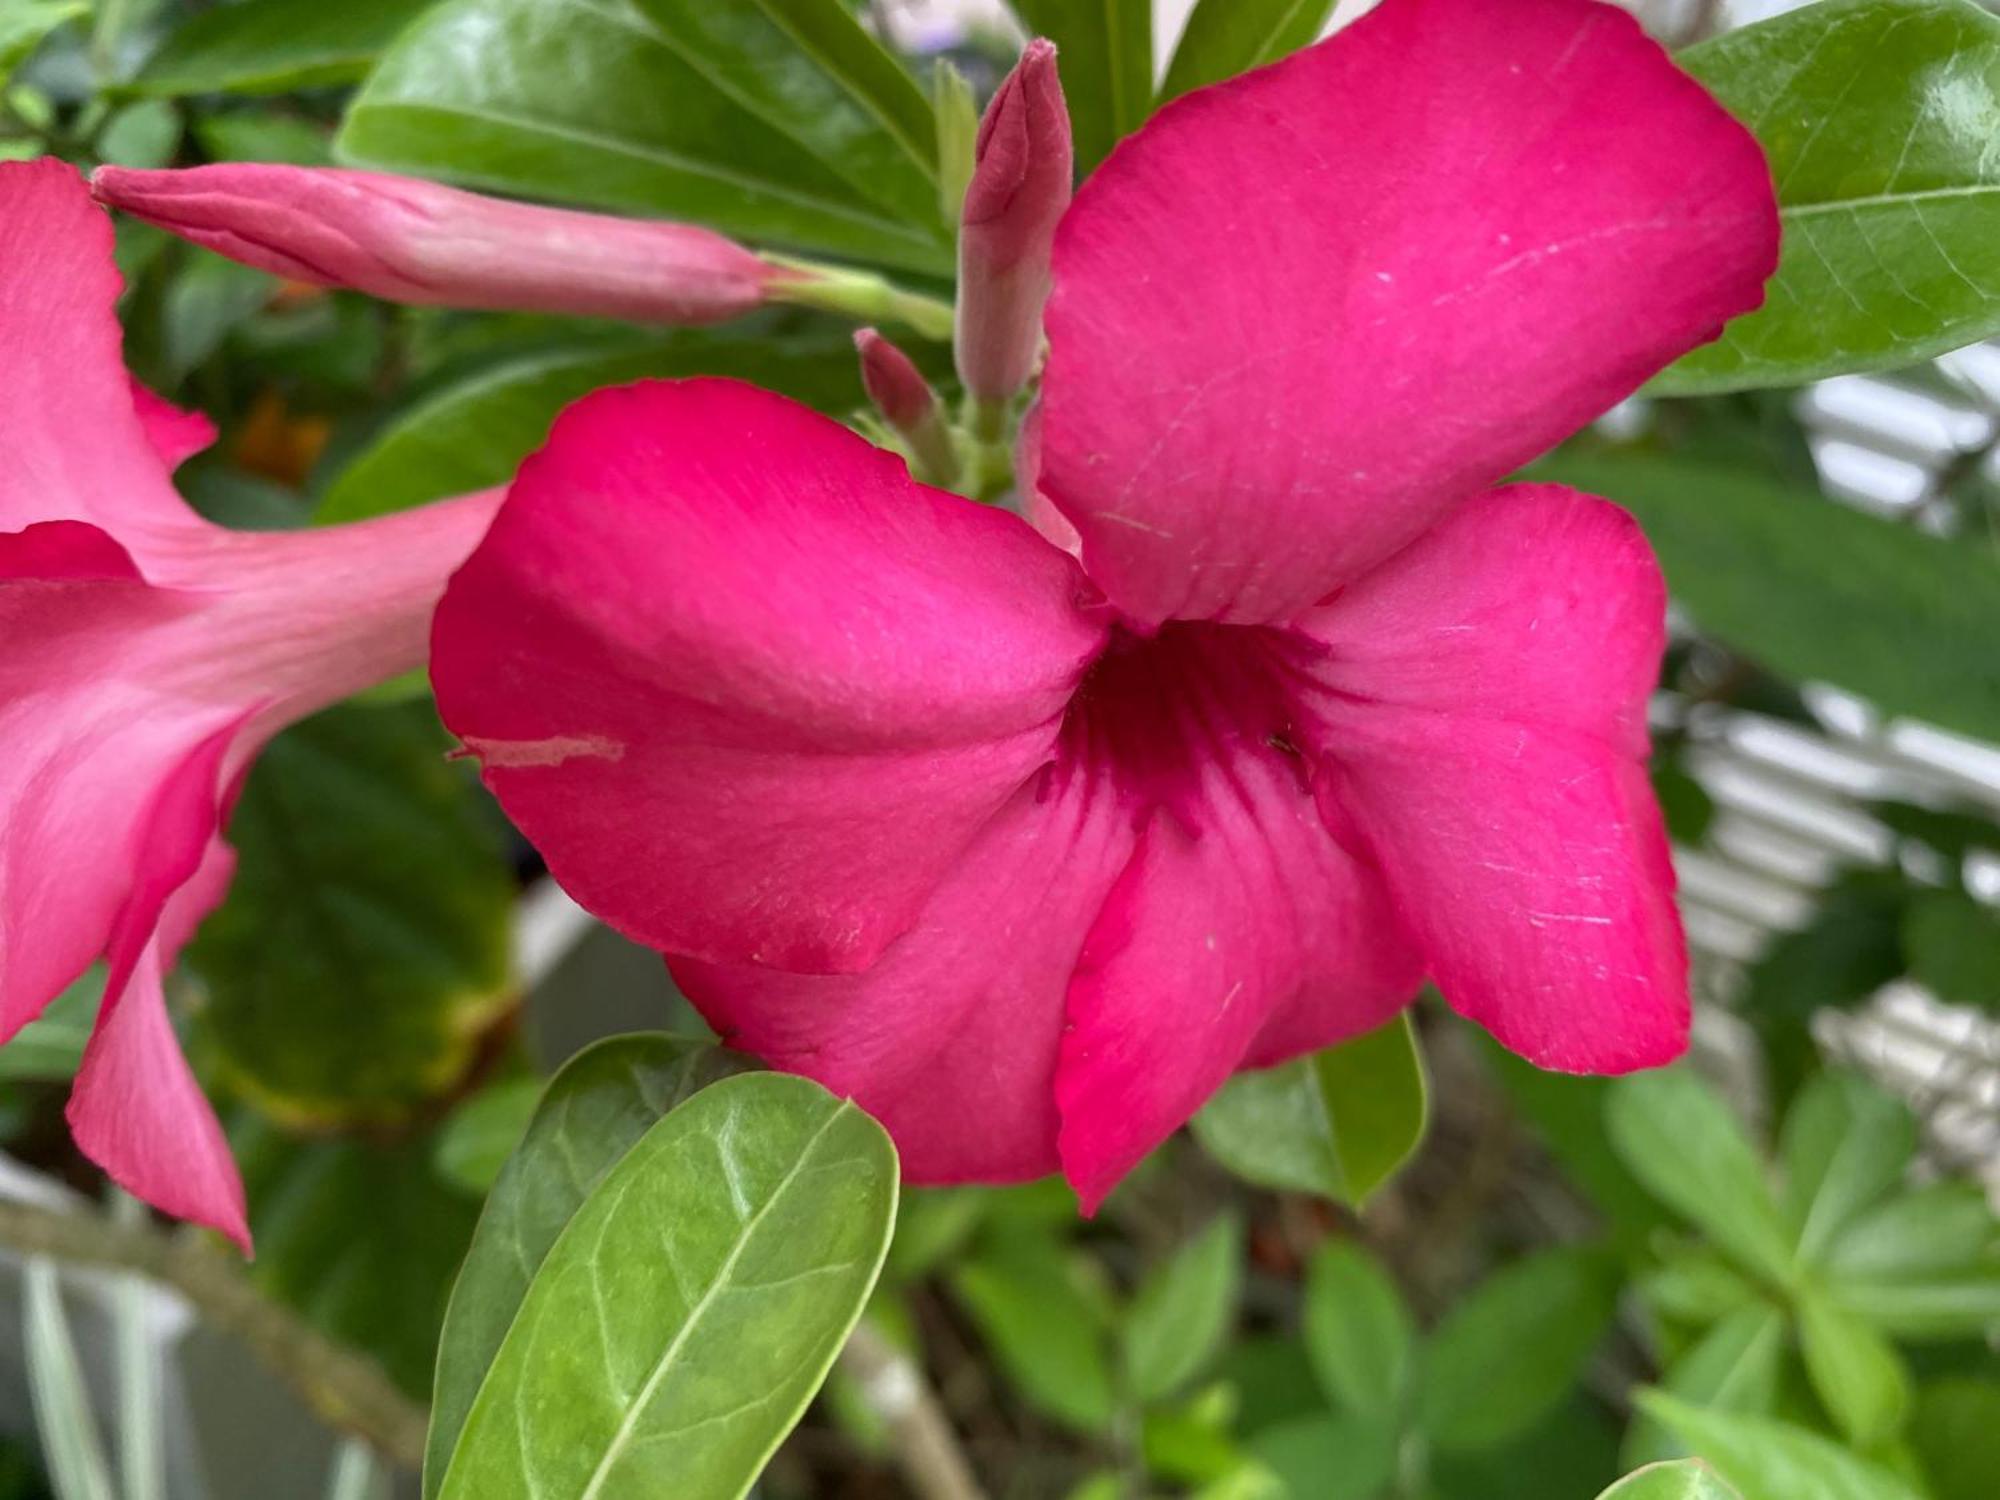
1689 1479
1859 1377
780 121
1845 1144
63 1416
1107 66
1359 1333
593 1112
1732 1367
1227 37
1765 1459
1878 117
680 1324
1182 1311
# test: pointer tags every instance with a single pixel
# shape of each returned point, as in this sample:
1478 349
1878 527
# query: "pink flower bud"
909 406
406 240
1020 188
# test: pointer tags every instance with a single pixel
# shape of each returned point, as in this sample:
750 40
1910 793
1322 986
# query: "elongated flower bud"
908 404
1019 191
406 240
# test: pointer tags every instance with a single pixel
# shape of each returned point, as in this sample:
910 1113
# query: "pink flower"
149 655
1029 846
412 241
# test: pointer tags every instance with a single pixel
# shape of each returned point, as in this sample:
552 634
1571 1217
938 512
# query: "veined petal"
750 689
1300 314
76 447
1480 710
950 1038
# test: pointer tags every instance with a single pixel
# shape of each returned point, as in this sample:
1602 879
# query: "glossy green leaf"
1953 944
594 1110
681 1322
1509 1353
479 1135
267 46
474 433
1814 590
780 121
1878 117
1227 37
1845 1144
358 1237
364 942
1182 1311
1340 1123
1956 1434
1358 1332
1859 1378
1679 1138
1770 1460
1688 1479
1941 1229
1045 1331
1734 1366
24 24
1107 66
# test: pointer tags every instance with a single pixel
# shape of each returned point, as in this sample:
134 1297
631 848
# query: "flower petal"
75 445
176 434
950 1038
1300 314
750 689
1482 717
136 1109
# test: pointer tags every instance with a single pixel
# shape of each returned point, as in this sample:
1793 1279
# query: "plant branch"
926 1448
345 1389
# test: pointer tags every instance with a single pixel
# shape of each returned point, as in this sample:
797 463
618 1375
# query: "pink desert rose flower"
149 656
1028 838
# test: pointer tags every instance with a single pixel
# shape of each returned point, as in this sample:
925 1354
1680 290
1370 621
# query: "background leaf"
1107 66
1953 945
266 46
1858 1377
1181 1312
1815 591
364 941
1768 1460
23 25
683 1320
1877 117
1956 1433
1358 1332
594 1110
1688 1479
1043 1331
1845 1144
780 121
1227 37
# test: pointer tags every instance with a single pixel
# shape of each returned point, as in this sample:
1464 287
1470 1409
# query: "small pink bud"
1020 187
909 405
406 240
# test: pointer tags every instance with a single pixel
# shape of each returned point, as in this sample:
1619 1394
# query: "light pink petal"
136 1109
1481 713
749 688
1300 314
950 1038
175 433
1238 936
75 446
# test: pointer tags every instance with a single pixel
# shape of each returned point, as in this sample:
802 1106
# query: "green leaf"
1181 1312
1845 1144
50 1047
479 1135
1956 1434
1953 944
364 944
24 24
1678 1138
1858 1377
1107 66
474 433
1877 117
1771 1460
594 1110
1733 1367
1507 1355
1045 1332
1945 1228
1329 1458
1340 1123
1966 1305
1814 590
1571 1450
1227 37
780 121
1689 1479
358 1238
271 46
1358 1332
680 1324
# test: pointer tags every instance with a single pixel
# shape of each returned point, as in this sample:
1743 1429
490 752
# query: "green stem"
861 295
